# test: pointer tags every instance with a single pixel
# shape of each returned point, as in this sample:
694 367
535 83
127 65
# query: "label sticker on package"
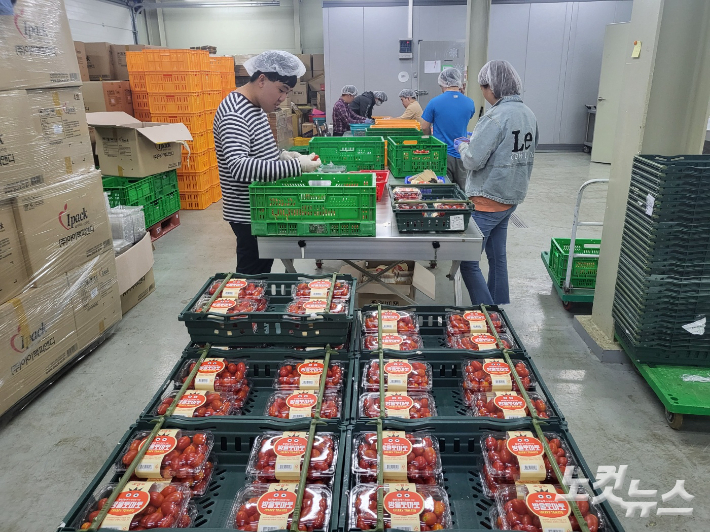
512 404
456 222
319 289
476 321
208 370
134 498
389 321
392 341
164 442
222 305
528 450
301 404
395 449
315 305
397 372
275 506
289 452
398 404
553 511
310 372
191 401
500 374
234 286
404 505
485 342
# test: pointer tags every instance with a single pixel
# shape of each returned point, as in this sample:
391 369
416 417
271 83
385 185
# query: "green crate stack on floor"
663 282
158 194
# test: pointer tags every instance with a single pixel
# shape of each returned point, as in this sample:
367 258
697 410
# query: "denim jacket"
499 158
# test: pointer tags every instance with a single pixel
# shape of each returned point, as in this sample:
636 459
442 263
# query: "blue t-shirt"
449 113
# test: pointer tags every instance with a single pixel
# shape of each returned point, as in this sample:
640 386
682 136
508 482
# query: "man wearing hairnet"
246 149
448 116
363 104
499 159
343 116
412 109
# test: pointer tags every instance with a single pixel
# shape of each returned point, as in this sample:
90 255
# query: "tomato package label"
134 498
397 372
398 404
222 305
476 321
392 341
164 442
395 449
275 506
553 510
234 286
529 451
485 342
310 372
319 289
404 505
511 403
301 404
191 401
389 321
315 305
500 374
289 450
206 373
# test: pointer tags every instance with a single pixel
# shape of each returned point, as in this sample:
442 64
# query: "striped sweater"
246 152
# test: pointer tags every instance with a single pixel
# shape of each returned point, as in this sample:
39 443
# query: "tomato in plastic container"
405 506
198 482
393 321
140 505
400 375
524 505
200 403
408 457
413 206
218 375
279 457
478 342
320 288
451 205
473 321
173 453
230 307
298 404
406 193
395 342
315 306
340 347
306 375
493 375
414 405
263 507
505 405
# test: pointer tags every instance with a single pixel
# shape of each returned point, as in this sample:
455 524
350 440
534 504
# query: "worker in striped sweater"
246 148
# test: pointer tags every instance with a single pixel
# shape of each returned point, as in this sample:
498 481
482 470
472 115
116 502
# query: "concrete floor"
54 448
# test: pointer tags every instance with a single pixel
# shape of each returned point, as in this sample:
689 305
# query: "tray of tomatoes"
217 374
298 404
429 504
279 456
473 321
479 341
399 375
421 448
304 306
406 193
506 405
493 374
232 306
393 321
296 374
239 289
395 342
321 288
414 405
255 498
201 403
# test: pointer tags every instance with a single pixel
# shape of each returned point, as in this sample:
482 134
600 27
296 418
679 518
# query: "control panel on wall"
405 49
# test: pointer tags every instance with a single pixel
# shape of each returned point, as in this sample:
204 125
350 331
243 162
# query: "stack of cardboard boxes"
58 280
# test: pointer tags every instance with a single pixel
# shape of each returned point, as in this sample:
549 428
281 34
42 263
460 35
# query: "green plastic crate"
165 183
412 155
169 204
300 149
129 191
153 212
584 270
356 153
296 206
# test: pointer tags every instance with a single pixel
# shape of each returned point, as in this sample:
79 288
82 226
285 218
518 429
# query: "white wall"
97 21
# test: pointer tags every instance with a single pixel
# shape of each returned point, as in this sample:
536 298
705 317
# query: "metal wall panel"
508 36
97 21
623 10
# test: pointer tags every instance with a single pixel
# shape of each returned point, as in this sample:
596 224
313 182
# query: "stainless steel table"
388 244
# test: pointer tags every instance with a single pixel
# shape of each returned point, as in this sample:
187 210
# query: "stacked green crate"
156 193
355 153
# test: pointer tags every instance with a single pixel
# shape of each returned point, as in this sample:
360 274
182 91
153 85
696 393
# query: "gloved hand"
288 155
459 141
309 163
369 121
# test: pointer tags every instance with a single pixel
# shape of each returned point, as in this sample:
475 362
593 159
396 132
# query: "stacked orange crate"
139 89
221 80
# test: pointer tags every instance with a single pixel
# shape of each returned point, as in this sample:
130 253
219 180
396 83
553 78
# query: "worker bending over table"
343 115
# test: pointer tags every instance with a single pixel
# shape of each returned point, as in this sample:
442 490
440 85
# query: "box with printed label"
36 338
95 297
103 96
62 226
13 275
19 140
299 95
80 49
318 62
138 292
36 45
130 148
99 61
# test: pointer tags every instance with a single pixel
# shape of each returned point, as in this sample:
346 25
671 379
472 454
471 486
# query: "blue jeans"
494 226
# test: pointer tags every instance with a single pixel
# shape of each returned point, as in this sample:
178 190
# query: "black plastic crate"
232 446
432 219
272 326
662 354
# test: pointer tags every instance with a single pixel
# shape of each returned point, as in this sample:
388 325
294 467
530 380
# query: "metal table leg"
455 276
288 265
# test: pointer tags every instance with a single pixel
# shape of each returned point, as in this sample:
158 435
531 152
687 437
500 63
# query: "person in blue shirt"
448 116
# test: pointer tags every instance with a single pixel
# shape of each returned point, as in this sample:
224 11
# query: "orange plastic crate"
216 193
143 115
171 82
209 117
221 63
194 181
195 122
196 200
181 102
214 175
226 92
135 62
212 157
211 81
212 98
199 162
200 142
161 60
140 100
137 79
227 79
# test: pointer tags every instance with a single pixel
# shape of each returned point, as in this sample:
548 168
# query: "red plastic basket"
382 178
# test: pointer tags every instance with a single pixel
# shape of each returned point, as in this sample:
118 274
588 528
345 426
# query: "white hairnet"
501 77
379 95
283 63
407 93
450 77
349 89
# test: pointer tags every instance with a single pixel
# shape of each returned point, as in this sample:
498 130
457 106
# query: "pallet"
164 226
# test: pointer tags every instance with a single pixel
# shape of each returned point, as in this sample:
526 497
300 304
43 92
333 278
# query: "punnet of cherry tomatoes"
162 506
406 193
205 404
238 289
478 341
231 306
199 481
463 322
423 459
395 342
393 321
219 375
404 374
513 511
296 374
432 502
287 404
503 404
269 446
414 405
320 288
315 507
305 307
479 375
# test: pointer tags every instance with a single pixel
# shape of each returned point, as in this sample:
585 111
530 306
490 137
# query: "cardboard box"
404 280
95 298
80 50
36 337
306 60
308 130
318 63
307 76
36 45
19 137
320 101
62 226
138 292
239 61
367 298
118 58
107 96
299 94
317 83
99 61
133 264
13 275
130 148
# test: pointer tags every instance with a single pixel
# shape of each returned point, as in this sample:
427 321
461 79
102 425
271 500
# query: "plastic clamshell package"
320 288
494 374
394 342
224 375
304 306
478 342
406 193
435 514
393 321
460 323
294 374
229 306
422 405
198 483
211 404
418 375
484 404
263 459
280 403
238 289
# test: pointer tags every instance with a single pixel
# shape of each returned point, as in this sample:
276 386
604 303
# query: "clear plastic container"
478 342
406 193
461 205
504 405
286 404
275 457
435 513
219 375
395 342
516 506
201 403
184 453
198 482
188 519
319 289
423 461
315 508
493 375
400 375
171 499
239 289
307 306
414 405
296 374
413 206
230 306
393 322
462 323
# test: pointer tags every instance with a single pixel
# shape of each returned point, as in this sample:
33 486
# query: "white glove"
308 163
288 155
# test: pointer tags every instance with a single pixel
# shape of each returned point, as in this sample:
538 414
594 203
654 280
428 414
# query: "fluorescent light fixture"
202 3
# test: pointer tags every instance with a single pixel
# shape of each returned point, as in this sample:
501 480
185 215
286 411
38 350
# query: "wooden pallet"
164 226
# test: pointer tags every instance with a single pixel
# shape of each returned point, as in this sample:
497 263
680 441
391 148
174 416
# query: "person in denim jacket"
499 159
